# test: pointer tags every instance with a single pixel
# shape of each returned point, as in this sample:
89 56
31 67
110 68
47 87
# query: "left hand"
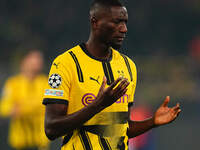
165 114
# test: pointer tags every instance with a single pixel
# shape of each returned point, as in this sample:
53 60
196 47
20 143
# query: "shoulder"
124 57
132 63
15 78
67 56
12 80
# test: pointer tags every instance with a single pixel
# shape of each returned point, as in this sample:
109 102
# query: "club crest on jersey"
55 80
121 73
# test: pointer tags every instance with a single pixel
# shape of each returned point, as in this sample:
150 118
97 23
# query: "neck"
97 48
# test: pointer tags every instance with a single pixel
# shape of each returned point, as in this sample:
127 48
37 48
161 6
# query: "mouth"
121 38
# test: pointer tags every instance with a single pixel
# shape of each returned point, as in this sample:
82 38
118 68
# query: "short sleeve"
133 84
58 84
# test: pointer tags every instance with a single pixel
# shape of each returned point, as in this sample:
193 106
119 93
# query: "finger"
177 105
124 86
166 101
121 87
103 84
177 114
117 96
176 108
121 92
114 83
178 111
124 92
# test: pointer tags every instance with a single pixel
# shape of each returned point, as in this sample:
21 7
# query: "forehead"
119 12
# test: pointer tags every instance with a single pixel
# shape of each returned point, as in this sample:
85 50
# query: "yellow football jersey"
26 129
74 79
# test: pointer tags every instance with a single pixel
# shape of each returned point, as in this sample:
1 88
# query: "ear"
94 21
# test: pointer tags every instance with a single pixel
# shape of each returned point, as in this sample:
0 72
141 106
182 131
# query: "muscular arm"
59 123
139 127
162 116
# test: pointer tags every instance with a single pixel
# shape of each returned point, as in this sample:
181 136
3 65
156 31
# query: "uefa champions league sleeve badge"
55 80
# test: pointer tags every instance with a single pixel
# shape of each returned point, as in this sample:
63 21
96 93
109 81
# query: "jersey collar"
83 47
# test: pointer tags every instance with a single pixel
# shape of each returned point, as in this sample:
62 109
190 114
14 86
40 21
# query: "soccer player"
92 86
21 101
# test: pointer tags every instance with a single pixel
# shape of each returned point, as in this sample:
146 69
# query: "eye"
117 21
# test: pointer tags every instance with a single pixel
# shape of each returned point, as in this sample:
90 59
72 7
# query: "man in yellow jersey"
21 100
92 85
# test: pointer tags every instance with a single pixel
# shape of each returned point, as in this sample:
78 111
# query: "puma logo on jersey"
91 78
56 65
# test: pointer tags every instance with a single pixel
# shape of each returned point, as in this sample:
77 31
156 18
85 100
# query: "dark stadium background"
163 39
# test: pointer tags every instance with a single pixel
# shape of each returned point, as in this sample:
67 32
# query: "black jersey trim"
130 104
121 144
85 140
83 47
67 138
79 71
118 118
104 143
54 101
96 129
108 72
128 66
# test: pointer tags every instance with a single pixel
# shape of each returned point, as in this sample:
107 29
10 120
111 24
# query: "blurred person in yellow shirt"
22 102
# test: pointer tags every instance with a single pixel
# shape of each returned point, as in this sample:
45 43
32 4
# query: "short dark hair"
106 3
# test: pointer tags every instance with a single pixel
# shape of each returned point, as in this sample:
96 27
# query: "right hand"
107 96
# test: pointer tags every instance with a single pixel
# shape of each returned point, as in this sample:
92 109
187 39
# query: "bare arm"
139 127
162 116
58 123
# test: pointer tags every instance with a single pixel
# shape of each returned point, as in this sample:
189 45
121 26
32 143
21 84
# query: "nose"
123 28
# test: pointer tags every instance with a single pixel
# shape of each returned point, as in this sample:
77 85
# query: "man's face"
113 26
33 62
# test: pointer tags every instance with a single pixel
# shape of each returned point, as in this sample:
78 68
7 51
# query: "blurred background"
163 40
